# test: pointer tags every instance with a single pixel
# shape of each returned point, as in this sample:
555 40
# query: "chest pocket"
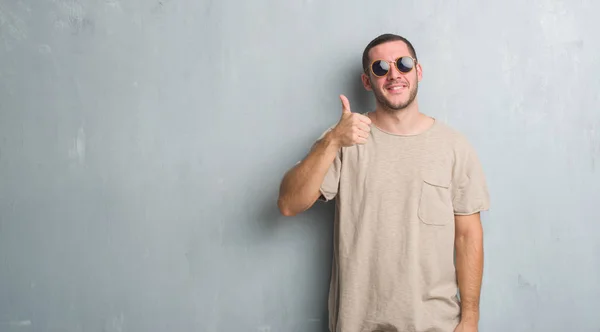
435 201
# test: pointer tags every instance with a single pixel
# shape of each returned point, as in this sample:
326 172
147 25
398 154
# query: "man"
408 192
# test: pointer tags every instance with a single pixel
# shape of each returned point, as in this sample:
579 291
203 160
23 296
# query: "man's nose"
394 73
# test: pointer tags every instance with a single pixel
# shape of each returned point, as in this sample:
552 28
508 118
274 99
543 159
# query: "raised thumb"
345 104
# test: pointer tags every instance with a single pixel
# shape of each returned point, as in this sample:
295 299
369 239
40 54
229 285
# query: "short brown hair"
384 38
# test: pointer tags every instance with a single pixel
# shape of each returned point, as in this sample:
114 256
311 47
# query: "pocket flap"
437 179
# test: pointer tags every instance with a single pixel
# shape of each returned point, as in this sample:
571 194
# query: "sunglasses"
404 64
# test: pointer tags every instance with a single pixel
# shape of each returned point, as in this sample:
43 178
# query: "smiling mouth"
396 87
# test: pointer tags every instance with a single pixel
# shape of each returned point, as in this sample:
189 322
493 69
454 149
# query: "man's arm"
300 187
468 243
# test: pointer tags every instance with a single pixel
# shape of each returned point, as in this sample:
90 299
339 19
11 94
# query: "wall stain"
209 8
524 284
593 137
13 28
159 7
70 14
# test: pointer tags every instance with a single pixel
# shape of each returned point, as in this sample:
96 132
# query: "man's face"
396 90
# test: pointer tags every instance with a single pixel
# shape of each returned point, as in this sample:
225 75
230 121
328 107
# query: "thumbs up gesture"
353 128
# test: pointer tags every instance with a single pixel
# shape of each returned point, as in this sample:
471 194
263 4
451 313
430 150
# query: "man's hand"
466 327
353 128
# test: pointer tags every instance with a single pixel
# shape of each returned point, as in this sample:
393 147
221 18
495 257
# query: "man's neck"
408 121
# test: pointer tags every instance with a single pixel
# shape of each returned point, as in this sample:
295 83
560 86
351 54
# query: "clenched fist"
353 128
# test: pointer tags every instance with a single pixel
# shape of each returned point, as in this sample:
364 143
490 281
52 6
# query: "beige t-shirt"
396 197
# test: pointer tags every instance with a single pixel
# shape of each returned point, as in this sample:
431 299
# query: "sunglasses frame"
395 65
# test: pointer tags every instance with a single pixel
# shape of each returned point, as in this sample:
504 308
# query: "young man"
408 192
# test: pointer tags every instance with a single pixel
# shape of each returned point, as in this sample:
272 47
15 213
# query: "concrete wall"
142 143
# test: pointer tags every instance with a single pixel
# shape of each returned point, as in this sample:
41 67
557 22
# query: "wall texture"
142 144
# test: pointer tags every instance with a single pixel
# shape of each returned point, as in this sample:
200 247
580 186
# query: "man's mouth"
396 87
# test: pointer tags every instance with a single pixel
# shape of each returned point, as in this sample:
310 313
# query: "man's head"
394 83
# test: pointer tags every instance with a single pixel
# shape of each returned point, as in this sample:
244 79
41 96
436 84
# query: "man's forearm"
469 266
300 186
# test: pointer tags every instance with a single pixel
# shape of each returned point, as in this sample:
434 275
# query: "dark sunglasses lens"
405 64
380 68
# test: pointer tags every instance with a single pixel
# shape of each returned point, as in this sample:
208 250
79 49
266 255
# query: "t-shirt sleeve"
330 184
469 186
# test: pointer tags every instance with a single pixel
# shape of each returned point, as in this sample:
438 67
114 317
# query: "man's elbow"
288 213
290 208
285 209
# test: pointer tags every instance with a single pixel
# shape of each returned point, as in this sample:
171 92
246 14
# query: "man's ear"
419 71
366 82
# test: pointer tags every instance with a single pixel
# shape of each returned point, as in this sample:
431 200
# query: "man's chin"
395 103
397 106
